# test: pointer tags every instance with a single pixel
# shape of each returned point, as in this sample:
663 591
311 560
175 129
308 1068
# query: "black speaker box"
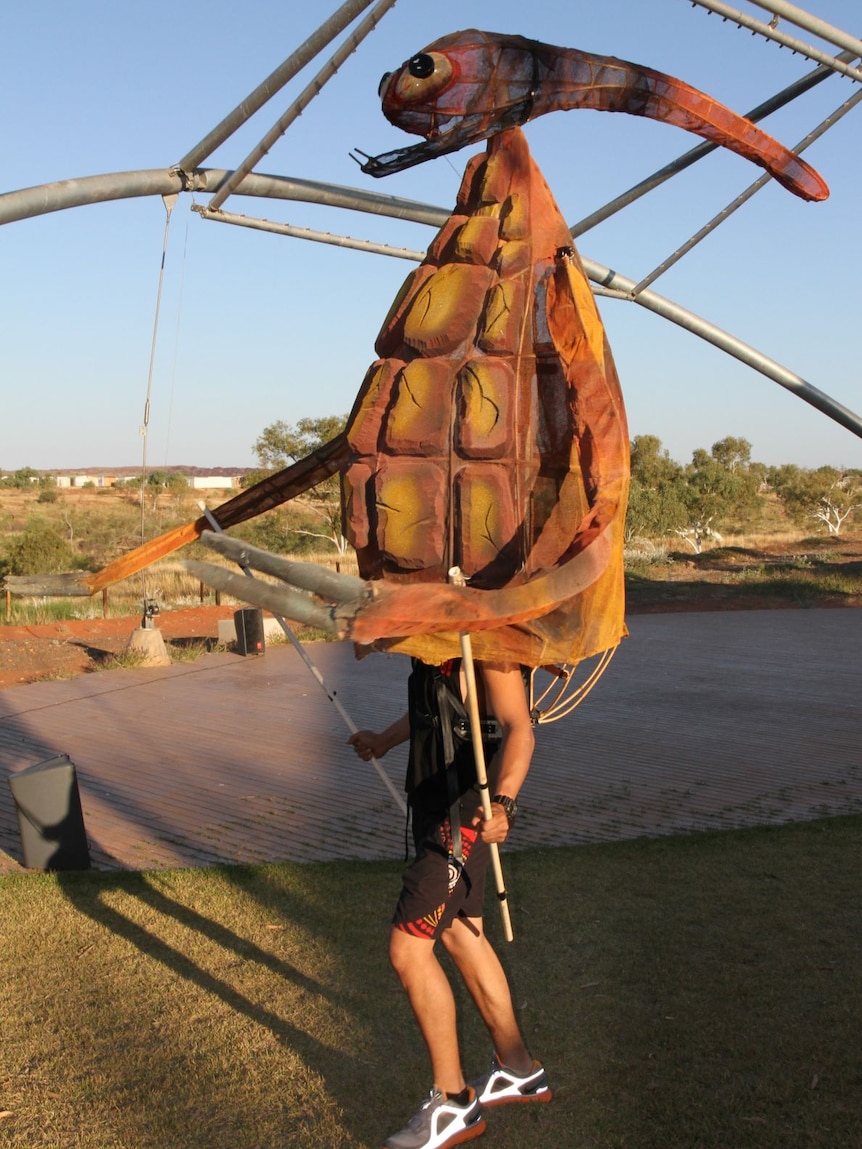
50 817
249 631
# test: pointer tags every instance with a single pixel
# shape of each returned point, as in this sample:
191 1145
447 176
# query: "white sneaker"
500 1085
439 1123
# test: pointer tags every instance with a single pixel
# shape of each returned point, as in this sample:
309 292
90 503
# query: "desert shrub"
24 478
40 549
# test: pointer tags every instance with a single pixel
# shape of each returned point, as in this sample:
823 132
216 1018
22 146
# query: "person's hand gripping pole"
457 578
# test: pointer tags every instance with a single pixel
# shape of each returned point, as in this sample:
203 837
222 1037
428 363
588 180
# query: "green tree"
827 495
732 454
721 486
168 480
281 444
657 493
24 478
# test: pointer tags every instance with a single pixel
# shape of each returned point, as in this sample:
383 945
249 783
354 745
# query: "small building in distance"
213 482
84 480
198 479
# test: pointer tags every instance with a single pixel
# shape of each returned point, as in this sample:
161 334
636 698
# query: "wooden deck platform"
702 721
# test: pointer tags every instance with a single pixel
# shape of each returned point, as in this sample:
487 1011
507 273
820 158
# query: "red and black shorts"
435 890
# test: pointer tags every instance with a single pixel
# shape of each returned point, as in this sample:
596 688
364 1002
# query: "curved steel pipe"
63 194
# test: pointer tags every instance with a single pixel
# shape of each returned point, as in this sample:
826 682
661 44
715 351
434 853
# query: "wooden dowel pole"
457 578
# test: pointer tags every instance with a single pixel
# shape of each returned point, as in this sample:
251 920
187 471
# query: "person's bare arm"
506 699
369 744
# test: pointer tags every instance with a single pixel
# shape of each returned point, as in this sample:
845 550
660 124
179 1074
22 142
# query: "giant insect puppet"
490 433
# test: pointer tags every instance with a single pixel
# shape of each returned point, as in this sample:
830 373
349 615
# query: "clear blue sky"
256 328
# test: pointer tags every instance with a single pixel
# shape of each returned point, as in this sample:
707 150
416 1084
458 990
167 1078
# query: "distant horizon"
133 468
234 469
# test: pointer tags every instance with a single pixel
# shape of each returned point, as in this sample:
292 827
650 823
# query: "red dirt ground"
66 649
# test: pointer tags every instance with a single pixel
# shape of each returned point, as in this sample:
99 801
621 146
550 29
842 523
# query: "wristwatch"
508 804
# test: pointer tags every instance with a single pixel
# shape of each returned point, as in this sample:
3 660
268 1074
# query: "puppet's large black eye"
421 79
421 66
381 87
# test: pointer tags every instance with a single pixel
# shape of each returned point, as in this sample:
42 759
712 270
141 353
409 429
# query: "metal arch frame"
188 176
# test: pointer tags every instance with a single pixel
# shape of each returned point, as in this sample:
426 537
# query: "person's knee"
402 952
463 937
450 940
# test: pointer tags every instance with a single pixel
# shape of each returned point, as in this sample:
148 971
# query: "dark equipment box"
249 631
49 816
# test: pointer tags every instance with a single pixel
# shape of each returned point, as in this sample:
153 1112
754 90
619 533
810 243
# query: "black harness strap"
448 707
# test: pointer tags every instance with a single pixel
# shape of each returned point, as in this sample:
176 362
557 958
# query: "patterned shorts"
435 890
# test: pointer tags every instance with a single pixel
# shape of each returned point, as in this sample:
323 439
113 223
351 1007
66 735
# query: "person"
443 888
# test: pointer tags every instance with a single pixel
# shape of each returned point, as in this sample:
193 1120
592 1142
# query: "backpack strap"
450 707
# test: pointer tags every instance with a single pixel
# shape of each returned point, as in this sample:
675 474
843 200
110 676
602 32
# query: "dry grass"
167 583
772 571
690 992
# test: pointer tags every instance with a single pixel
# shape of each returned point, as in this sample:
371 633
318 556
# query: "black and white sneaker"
440 1122
501 1086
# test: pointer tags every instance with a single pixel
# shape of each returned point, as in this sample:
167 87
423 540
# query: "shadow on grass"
339 979
816 572
645 593
698 991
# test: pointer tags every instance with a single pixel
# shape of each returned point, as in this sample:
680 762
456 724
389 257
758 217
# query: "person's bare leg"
486 980
433 1004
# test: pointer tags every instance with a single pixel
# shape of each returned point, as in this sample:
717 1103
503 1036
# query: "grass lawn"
698 992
